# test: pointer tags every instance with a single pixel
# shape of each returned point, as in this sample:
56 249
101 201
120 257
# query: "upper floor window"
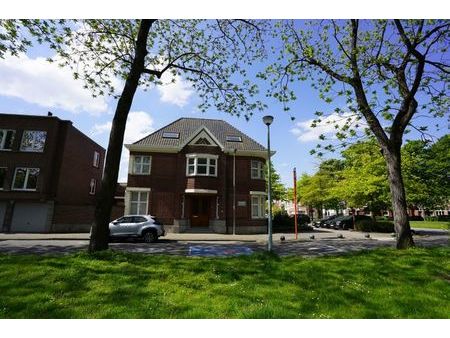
33 140
96 161
2 177
257 169
92 186
201 165
25 179
6 139
141 165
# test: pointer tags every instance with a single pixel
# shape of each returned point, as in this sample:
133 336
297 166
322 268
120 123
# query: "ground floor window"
258 206
138 202
25 179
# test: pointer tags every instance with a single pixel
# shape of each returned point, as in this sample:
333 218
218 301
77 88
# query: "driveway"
325 242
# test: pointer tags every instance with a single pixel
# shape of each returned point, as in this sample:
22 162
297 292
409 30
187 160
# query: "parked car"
321 223
333 222
303 219
147 227
346 222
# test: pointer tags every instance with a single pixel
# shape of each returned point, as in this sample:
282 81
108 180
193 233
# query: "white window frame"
128 201
26 179
259 166
96 160
141 164
32 150
3 139
92 187
208 158
261 205
2 184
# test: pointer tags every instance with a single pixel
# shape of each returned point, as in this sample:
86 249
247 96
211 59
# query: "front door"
200 211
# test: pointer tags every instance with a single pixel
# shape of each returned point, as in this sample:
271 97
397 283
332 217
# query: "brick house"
184 173
49 175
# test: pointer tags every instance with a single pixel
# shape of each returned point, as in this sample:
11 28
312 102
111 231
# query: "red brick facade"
62 198
177 198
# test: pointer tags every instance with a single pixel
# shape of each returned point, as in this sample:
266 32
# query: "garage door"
2 213
30 217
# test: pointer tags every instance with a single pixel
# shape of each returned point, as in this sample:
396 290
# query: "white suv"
146 227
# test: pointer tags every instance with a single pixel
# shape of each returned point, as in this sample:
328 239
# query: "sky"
31 85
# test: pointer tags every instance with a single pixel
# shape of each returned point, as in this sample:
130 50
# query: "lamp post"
234 191
268 121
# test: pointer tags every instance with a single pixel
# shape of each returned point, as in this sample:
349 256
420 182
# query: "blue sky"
30 85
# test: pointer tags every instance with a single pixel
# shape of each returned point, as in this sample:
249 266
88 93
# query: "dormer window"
171 135
234 138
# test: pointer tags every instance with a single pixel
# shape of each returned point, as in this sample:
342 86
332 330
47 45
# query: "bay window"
201 165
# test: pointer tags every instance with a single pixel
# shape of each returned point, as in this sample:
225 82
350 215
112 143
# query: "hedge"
373 226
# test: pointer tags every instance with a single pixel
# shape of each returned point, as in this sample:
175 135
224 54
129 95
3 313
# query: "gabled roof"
188 128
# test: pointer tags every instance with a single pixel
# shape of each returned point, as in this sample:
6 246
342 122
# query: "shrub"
384 218
282 219
373 226
439 218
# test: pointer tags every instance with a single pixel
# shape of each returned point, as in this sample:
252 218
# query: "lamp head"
268 120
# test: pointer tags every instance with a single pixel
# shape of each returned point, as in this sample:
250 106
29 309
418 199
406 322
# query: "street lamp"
268 121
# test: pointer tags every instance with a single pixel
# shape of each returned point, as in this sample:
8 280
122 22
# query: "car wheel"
149 237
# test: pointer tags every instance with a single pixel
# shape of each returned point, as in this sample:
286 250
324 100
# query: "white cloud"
177 93
139 125
305 133
46 84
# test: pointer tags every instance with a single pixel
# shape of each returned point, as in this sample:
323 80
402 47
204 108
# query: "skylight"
234 138
169 134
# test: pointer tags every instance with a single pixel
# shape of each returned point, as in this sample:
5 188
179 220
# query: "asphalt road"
324 243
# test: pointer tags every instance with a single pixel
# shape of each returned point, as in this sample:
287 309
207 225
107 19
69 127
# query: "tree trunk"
100 227
398 197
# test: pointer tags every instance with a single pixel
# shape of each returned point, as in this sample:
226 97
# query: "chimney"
49 113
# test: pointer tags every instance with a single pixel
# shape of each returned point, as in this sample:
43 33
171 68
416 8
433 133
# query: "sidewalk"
327 234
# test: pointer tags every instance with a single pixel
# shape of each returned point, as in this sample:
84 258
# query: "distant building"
185 172
50 173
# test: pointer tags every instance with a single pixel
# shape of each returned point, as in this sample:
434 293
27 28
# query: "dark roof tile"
187 127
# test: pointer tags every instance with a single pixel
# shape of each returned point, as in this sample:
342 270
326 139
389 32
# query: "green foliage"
339 62
374 226
210 54
374 284
363 180
425 171
279 192
317 190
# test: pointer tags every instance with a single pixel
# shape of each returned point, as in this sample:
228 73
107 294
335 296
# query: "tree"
317 191
278 188
363 180
209 54
426 167
386 71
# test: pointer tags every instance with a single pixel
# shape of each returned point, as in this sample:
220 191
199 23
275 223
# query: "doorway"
200 211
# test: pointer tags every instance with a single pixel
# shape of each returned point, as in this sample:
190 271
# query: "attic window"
233 138
171 135
203 141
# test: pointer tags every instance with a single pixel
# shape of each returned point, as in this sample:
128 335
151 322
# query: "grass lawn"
382 283
430 225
